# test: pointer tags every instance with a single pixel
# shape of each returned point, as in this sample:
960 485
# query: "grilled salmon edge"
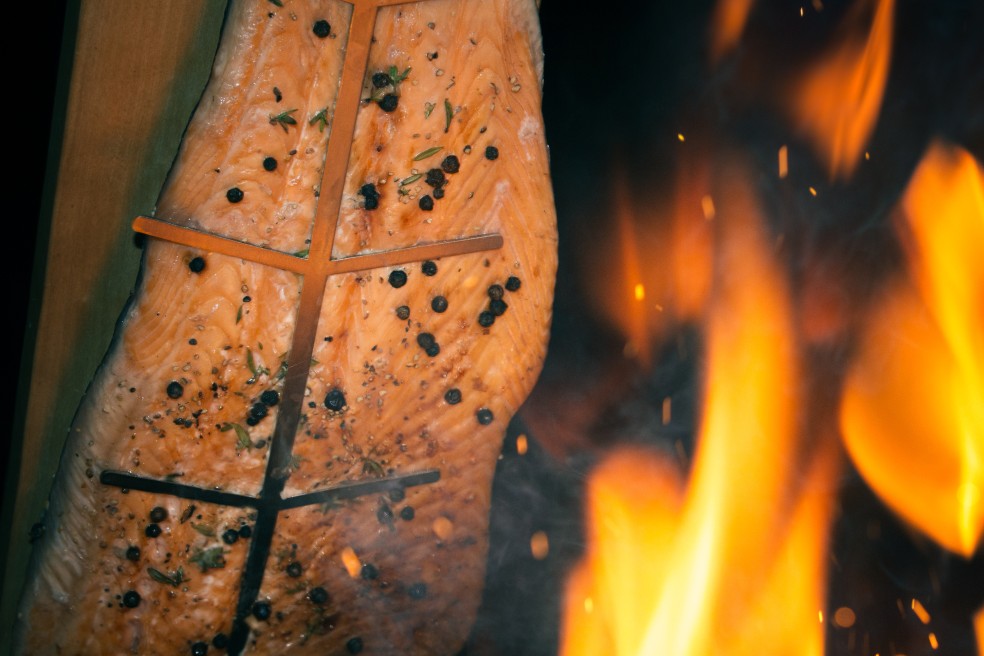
402 570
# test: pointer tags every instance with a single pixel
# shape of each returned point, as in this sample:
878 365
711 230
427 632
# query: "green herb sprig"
283 119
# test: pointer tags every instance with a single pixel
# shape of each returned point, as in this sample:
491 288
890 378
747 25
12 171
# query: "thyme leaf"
321 118
424 154
211 558
242 437
411 179
448 113
277 2
174 579
204 529
283 119
257 371
428 108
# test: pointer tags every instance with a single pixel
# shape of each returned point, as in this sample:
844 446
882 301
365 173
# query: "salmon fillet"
280 459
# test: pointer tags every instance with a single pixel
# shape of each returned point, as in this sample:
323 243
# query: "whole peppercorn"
197 264
439 193
450 164
175 389
426 203
270 397
294 569
371 203
158 514
407 513
354 645
486 319
335 400
453 396
491 152
152 530
429 268
398 278
199 649
262 610
424 340
369 572
131 599
245 532
258 410
484 416
495 292
403 312
439 304
318 595
321 29
270 163
397 494
234 195
498 307
433 350
230 536
220 641
435 177
513 283
133 553
389 102
380 80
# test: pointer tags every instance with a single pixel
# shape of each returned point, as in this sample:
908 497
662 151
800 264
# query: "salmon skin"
247 474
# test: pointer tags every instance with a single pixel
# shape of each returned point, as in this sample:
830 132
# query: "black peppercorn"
491 152
133 553
371 195
389 102
158 514
484 416
245 532
384 514
294 569
426 203
131 599
495 292
318 595
453 396
433 350
417 591
450 164
486 319
429 268
380 80
403 312
220 641
513 283
230 536
270 397
152 530
252 421
425 339
397 494
321 29
270 163
439 193
234 195
435 177
372 202
498 308
439 304
369 572
199 649
407 513
175 389
335 400
258 410
354 645
262 610
398 278
197 264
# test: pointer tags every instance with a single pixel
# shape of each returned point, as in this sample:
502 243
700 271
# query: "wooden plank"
138 72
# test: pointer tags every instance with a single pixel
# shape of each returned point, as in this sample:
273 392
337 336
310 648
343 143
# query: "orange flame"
654 269
913 408
727 25
837 103
735 561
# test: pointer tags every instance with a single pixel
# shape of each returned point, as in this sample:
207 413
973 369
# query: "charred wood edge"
349 490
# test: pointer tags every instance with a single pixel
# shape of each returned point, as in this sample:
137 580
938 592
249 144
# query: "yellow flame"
836 104
708 570
912 414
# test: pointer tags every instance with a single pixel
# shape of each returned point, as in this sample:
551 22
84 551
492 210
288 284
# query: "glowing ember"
704 569
836 104
539 545
913 407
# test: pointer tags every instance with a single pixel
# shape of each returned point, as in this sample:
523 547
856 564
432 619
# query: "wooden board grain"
138 72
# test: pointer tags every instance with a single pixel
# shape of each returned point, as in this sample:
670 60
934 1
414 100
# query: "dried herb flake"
427 153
